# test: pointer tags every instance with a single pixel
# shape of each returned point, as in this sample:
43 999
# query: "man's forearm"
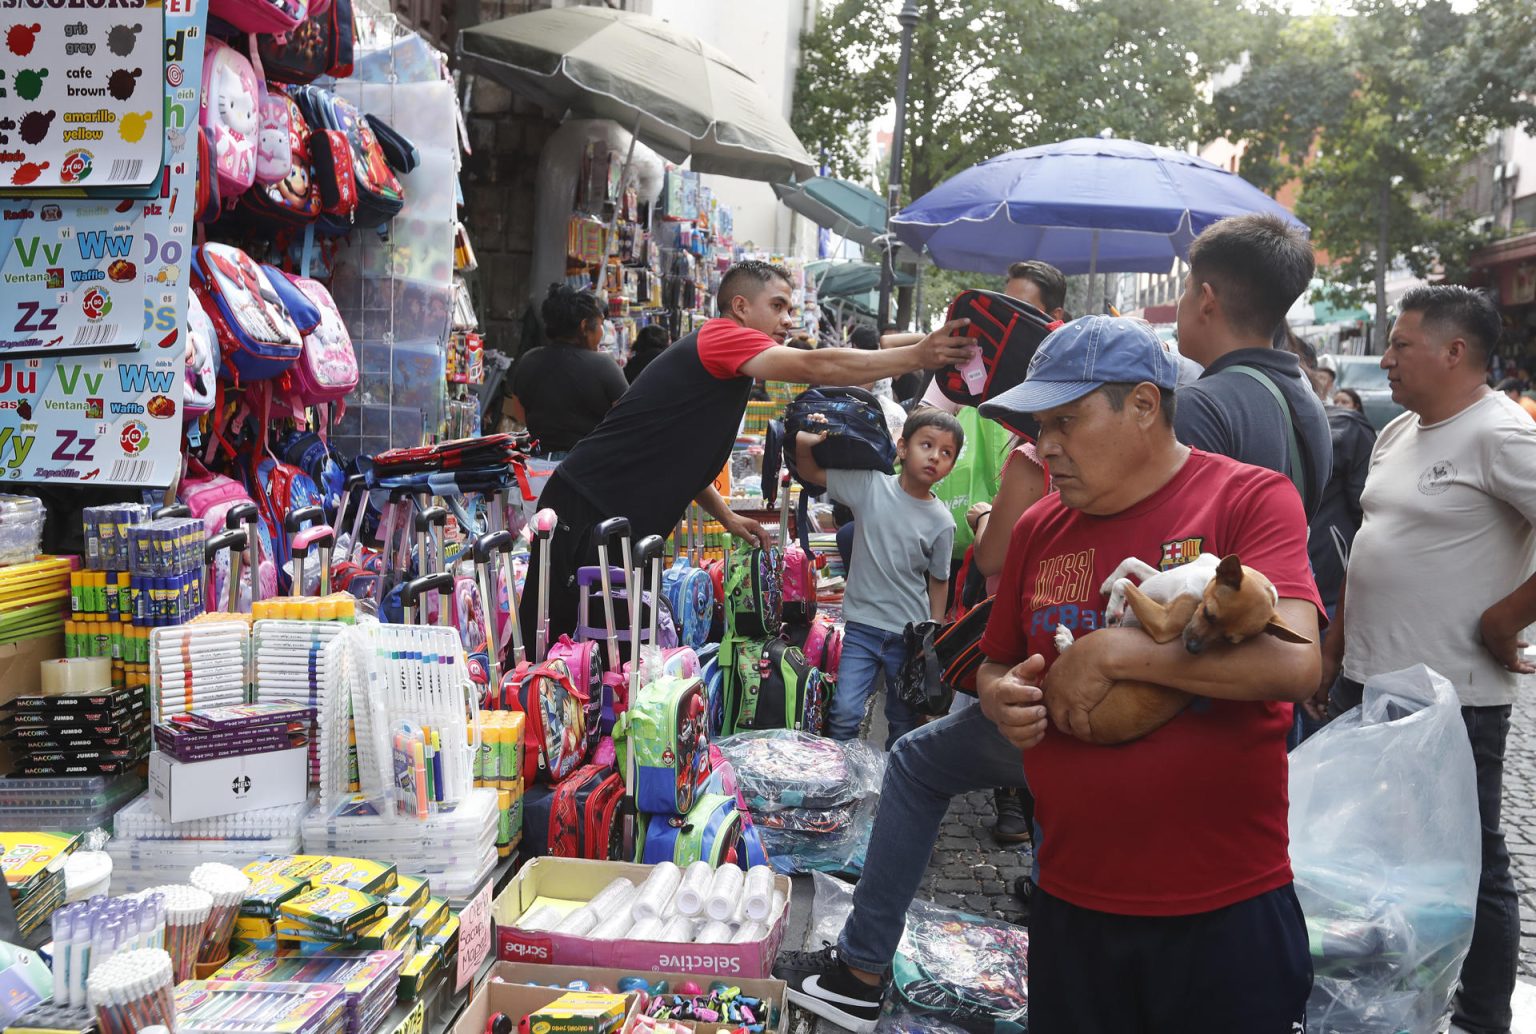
899 340
713 503
1518 609
1262 668
835 366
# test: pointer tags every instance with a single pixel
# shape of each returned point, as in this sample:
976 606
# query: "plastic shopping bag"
1387 848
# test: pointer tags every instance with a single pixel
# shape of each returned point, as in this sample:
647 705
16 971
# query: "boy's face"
929 455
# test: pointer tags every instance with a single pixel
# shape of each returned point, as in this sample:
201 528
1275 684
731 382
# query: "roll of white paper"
749 932
714 932
579 923
544 917
691 892
655 896
647 929
616 897
757 892
724 893
615 927
679 930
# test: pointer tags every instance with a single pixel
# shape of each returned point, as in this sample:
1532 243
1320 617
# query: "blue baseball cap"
1081 357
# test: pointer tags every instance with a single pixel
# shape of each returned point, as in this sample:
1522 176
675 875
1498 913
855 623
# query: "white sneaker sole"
829 1011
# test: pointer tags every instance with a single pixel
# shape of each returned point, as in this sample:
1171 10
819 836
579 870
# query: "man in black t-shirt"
671 434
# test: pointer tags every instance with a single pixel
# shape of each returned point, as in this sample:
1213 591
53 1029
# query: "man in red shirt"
1165 898
668 437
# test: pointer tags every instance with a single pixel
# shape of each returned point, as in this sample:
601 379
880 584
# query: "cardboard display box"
225 786
516 1001
578 879
773 991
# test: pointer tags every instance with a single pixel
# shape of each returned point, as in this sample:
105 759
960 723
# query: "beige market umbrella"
676 93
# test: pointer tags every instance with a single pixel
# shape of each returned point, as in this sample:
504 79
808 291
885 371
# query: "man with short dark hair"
1440 575
1253 401
1050 294
670 435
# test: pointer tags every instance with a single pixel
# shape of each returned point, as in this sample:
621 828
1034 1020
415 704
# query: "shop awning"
845 208
850 279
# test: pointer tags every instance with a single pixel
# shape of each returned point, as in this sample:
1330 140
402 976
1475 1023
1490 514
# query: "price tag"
474 934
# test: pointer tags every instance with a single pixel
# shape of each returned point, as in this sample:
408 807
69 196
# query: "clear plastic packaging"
784 768
951 967
21 528
842 850
1387 872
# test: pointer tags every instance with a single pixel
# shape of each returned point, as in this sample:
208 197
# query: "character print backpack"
767 684
327 369
753 594
321 45
202 366
579 818
554 723
665 728
257 334
230 110
712 830
294 199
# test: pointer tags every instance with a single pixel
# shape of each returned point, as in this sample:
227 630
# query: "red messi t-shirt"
1192 817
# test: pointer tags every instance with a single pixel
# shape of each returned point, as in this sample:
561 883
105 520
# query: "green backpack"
754 600
712 830
665 728
768 684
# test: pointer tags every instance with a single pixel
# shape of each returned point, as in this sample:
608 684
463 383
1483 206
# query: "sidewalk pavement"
968 871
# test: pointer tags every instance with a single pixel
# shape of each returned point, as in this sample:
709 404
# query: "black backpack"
1007 331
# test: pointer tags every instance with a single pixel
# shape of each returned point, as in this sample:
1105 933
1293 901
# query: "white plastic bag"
1387 848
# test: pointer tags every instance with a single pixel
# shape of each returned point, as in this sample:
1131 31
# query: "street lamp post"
908 19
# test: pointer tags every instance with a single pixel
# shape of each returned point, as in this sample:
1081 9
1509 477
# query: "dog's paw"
1064 638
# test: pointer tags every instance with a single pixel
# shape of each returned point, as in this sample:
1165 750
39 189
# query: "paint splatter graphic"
121 39
29 83
122 83
35 125
133 125
21 38
27 172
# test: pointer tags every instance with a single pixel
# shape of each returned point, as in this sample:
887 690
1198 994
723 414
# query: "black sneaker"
1023 893
819 982
1012 824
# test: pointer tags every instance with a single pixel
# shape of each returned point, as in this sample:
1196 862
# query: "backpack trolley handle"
543 529
431 520
648 555
439 583
354 482
235 541
291 524
174 510
485 548
604 533
247 514
323 537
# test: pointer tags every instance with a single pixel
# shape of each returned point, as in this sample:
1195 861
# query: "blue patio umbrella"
1085 206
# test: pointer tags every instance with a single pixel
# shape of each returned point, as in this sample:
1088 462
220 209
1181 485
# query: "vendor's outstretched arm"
742 527
856 366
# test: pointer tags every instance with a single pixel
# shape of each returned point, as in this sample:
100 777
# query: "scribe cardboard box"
771 991
578 879
204 789
516 1001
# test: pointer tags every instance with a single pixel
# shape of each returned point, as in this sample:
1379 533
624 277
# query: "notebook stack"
33 864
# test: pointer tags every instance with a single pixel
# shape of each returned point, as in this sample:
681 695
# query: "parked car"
1364 374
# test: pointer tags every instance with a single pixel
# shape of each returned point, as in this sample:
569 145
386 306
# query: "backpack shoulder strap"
1298 462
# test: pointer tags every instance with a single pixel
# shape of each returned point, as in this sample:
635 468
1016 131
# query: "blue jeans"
866 651
961 752
1482 1005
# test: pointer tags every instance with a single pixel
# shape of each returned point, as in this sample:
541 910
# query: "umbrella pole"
1093 274
613 220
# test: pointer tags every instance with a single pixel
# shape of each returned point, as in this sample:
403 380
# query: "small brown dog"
1208 600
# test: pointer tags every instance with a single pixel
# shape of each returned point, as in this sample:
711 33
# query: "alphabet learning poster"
80 95
107 419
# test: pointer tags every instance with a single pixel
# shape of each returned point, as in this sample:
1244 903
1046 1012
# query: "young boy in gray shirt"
900 564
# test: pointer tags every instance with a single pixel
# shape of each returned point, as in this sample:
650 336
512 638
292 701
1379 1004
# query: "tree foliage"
991 76
1376 113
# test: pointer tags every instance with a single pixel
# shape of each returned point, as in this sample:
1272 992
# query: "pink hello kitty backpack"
202 360
274 150
327 371
231 101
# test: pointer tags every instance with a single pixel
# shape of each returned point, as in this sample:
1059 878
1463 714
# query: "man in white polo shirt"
1441 574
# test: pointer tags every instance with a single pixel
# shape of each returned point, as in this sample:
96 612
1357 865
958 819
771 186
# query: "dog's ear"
1230 571
1277 628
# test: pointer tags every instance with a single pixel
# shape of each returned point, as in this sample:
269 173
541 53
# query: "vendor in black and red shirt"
664 443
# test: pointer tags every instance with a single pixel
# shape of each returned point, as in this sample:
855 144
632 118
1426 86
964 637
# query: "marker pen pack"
363 874
259 1007
329 910
410 893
